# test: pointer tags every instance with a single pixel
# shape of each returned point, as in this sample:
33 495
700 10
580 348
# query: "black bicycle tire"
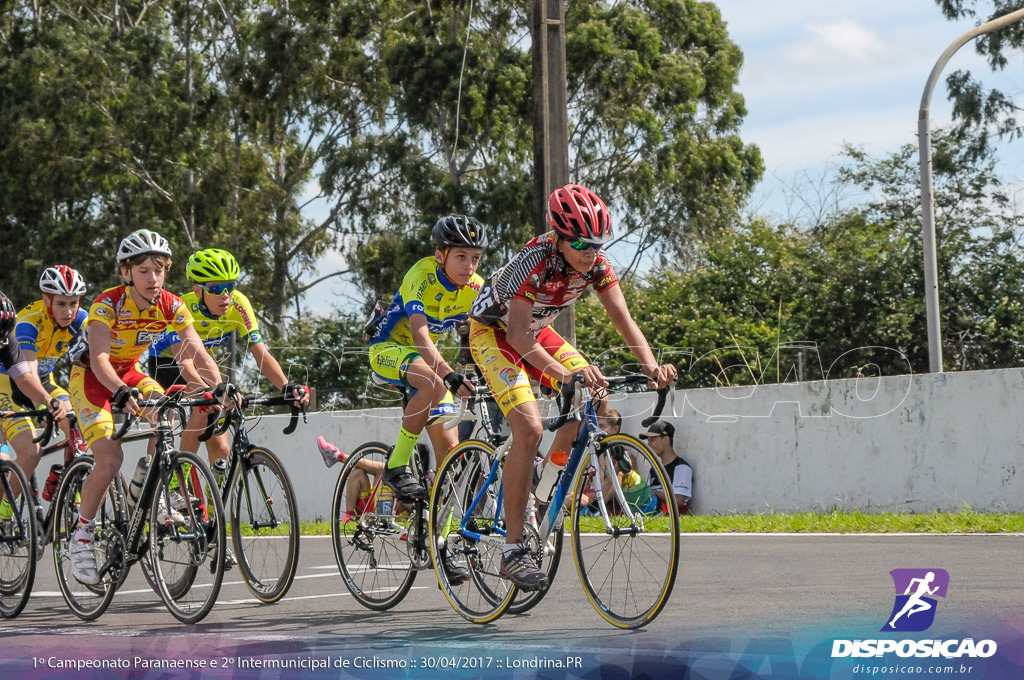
213 530
607 605
342 535
20 587
65 519
258 455
453 488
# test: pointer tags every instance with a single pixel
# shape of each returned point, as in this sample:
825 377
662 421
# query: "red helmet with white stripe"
62 280
578 214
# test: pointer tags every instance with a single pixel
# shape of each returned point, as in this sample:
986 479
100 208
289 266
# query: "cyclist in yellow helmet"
219 311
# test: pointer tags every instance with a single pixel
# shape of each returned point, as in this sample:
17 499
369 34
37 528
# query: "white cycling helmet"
62 280
142 242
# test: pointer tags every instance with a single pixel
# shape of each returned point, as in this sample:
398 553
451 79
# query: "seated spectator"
660 438
638 493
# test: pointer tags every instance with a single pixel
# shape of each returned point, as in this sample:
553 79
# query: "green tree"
984 110
848 291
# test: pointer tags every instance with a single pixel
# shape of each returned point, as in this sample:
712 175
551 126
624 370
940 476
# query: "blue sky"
818 74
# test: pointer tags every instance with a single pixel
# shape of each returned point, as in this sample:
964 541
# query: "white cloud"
843 44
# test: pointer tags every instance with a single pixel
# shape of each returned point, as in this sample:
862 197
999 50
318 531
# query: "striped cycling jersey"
133 330
426 290
540 275
213 330
36 331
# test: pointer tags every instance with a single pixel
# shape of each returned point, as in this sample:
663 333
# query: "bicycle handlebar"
567 394
42 414
161 403
478 391
296 408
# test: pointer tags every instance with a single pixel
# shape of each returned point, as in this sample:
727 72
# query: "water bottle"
135 488
385 502
51 481
549 477
220 468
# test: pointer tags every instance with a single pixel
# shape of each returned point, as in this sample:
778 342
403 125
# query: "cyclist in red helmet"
512 341
19 374
44 331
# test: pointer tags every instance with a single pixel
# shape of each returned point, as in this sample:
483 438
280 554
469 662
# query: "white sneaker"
83 561
7 547
173 514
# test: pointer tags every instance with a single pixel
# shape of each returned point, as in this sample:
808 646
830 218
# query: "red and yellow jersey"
132 330
541 276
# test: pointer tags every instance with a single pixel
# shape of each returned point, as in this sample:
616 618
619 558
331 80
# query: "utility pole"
550 122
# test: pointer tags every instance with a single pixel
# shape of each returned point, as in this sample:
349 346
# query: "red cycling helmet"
8 318
578 214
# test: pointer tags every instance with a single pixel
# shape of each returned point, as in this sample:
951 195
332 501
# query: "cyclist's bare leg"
430 391
216 447
28 455
442 440
525 423
108 456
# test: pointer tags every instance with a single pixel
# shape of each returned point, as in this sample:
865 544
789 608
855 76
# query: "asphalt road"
735 595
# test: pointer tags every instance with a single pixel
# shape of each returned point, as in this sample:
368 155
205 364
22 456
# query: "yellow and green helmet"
212 264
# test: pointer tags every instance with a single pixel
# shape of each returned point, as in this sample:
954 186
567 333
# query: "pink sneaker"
330 452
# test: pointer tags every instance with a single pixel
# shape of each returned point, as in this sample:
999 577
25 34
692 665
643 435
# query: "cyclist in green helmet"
219 312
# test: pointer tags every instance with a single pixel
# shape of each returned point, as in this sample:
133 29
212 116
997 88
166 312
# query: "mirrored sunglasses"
583 245
219 288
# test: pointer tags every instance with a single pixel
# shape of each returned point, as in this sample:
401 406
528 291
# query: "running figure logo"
914 609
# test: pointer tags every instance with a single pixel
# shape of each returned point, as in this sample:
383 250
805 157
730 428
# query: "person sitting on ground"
660 436
638 493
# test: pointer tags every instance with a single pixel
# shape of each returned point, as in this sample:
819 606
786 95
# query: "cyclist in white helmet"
122 323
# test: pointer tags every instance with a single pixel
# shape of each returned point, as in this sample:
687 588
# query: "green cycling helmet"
212 264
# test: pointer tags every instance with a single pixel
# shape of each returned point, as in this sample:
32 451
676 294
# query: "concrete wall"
910 443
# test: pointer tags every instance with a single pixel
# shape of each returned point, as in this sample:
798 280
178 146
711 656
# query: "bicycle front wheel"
371 540
18 541
264 524
627 569
88 602
187 537
467 530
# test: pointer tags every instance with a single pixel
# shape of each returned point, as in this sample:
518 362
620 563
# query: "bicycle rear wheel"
627 570
467 529
264 524
18 542
187 537
88 602
371 542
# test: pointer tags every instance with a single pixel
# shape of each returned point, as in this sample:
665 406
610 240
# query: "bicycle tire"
453 516
18 543
264 524
368 546
627 575
87 602
187 540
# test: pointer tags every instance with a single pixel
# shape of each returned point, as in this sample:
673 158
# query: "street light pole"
924 140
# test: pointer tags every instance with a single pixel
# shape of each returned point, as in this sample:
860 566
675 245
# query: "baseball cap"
658 428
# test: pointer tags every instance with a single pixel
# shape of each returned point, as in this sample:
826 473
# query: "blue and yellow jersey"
426 290
214 331
35 331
